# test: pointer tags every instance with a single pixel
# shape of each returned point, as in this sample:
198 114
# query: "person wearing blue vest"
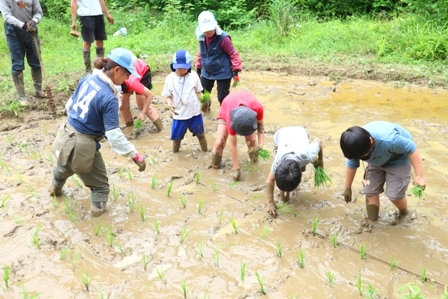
93 111
217 59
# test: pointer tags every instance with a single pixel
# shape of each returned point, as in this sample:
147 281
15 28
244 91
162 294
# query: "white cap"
207 21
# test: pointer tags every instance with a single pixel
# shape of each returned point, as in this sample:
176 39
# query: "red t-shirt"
235 99
133 83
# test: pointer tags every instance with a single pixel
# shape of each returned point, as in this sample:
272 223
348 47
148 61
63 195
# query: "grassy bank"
407 48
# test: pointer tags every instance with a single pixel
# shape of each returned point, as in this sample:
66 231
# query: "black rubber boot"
99 52
87 61
36 74
17 77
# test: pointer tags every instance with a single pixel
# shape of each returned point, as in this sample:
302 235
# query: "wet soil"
149 245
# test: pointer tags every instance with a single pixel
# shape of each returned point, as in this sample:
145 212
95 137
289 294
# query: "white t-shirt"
183 90
89 8
293 143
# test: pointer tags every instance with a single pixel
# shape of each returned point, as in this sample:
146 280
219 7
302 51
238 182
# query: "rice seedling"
243 271
26 295
86 279
183 286
260 282
362 251
371 292
234 225
201 204
6 272
7 169
393 263
423 275
331 278
216 256
35 236
417 191
301 259
121 172
154 182
20 178
25 148
321 178
232 184
197 177
413 291
445 294
221 216
120 247
183 201
75 260
334 239
98 228
359 285
129 173
315 224
142 212
77 181
145 262
50 158
213 186
132 201
10 139
36 156
184 234
115 193
156 226
200 254
69 210
63 252
109 236
153 161
169 188
4 200
205 101
160 274
264 154
138 124
264 232
279 248
286 208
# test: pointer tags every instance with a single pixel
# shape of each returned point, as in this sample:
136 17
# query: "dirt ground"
149 245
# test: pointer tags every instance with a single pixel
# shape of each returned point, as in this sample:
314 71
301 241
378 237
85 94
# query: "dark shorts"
145 80
93 28
180 126
396 179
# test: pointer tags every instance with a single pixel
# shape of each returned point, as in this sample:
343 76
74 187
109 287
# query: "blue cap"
181 60
125 59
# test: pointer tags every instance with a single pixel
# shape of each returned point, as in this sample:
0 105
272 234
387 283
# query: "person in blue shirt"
390 152
93 111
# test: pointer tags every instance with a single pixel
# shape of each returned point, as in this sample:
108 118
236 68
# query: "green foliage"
413 291
57 9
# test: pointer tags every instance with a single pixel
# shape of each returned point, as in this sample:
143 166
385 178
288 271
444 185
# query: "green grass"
6 272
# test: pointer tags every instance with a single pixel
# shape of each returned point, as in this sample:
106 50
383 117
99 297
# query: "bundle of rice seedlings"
264 154
205 101
321 177
417 191
138 124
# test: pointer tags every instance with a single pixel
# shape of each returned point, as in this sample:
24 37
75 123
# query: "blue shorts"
93 28
180 126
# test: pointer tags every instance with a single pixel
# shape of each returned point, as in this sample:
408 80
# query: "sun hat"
207 21
125 59
288 175
181 60
243 120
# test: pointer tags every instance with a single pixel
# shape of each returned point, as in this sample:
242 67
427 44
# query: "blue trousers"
20 44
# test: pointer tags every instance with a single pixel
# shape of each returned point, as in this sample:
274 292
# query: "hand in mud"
236 175
348 194
140 161
272 209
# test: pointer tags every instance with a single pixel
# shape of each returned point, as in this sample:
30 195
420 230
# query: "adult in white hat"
217 59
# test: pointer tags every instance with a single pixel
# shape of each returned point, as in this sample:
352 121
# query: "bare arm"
416 162
260 133
234 150
349 177
73 7
106 12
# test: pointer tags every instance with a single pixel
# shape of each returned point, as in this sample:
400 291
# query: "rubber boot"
36 74
176 145
159 125
98 208
87 61
56 188
17 77
372 212
216 160
202 142
99 52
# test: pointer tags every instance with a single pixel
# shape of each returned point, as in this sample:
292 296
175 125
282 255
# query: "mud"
50 244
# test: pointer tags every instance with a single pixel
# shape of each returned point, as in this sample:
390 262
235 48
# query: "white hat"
207 21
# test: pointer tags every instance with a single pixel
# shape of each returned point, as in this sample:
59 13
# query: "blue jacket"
216 63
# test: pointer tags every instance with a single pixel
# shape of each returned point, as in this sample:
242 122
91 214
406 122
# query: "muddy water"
197 245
